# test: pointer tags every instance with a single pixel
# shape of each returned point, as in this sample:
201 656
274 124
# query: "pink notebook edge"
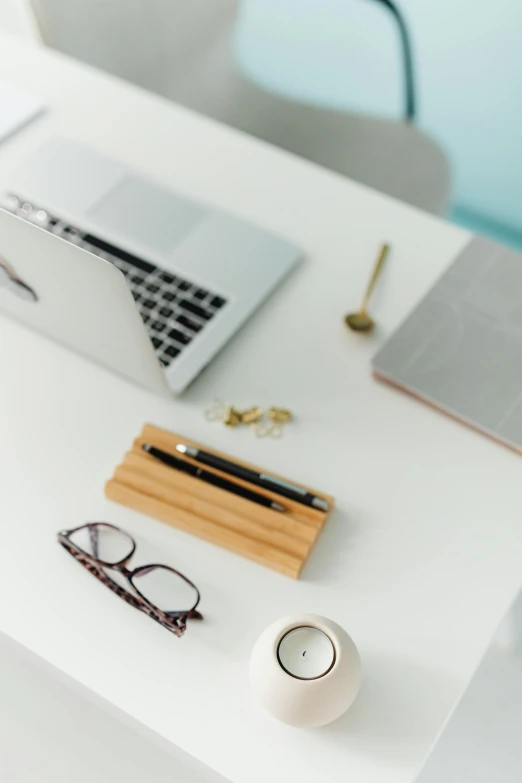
402 387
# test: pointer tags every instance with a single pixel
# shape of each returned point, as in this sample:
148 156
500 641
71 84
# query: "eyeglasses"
105 551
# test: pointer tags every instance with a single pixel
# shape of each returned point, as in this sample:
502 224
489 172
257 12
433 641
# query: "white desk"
422 556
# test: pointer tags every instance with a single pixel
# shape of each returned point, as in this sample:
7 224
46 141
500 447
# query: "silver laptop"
126 271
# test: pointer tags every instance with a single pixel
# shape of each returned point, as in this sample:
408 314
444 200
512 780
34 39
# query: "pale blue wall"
469 60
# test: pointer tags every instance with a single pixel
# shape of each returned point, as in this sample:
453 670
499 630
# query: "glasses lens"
165 589
103 542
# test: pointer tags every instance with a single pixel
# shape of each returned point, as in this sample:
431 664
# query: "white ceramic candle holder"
305 670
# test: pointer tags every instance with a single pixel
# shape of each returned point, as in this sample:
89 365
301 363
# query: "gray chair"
184 51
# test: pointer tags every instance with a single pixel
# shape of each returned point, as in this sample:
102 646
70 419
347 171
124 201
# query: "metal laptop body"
76 299
196 274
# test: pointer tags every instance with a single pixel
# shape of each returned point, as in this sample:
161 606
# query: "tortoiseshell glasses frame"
174 621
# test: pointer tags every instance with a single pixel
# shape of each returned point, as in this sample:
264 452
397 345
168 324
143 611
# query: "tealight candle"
306 653
305 670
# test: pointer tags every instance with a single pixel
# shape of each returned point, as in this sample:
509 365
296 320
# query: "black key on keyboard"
169 296
192 325
145 318
148 303
201 293
137 279
158 326
153 288
172 351
137 297
195 309
169 279
156 342
183 285
180 337
217 301
119 253
166 312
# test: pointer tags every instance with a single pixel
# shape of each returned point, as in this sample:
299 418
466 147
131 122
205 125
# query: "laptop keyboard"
173 309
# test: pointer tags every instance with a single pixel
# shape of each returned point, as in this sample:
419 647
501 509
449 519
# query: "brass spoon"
361 321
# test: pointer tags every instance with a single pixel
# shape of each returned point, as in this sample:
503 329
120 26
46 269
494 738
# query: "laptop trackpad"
147 213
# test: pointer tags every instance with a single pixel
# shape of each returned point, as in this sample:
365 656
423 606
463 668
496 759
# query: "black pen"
272 483
210 478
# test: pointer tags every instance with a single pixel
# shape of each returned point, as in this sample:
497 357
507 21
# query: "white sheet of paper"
16 109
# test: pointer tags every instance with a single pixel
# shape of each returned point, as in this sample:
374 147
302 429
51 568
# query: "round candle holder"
305 670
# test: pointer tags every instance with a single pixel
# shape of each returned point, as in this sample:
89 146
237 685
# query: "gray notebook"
461 348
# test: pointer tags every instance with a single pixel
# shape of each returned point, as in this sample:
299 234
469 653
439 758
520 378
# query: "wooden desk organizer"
281 541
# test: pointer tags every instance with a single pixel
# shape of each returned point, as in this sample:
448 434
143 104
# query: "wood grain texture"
281 541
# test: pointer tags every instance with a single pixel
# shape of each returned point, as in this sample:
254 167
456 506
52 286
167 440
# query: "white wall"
469 56
15 17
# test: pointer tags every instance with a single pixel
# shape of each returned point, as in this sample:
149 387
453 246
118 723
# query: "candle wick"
304 653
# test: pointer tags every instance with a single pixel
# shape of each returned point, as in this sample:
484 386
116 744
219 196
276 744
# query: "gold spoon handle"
383 252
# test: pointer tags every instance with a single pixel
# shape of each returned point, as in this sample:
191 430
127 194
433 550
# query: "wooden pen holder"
279 540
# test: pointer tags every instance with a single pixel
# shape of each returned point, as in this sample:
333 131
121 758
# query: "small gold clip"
252 415
232 416
279 417
270 423
216 410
